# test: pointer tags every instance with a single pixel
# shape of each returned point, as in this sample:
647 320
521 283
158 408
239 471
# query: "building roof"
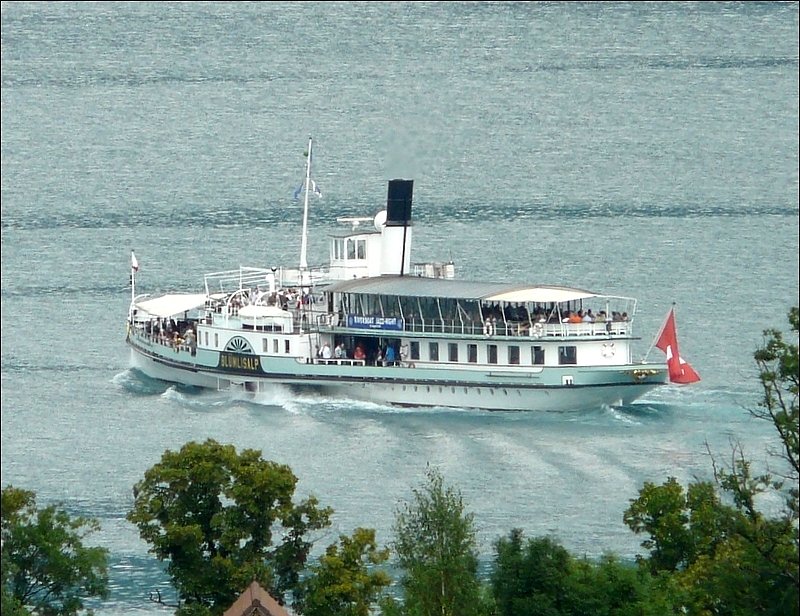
416 286
255 601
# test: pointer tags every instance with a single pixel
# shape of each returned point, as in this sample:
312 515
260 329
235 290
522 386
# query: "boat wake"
137 382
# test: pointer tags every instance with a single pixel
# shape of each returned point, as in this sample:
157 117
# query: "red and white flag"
679 370
134 263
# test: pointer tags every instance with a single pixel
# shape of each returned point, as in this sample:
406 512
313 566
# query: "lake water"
647 150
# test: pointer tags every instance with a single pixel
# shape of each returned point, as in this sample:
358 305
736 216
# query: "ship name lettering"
238 362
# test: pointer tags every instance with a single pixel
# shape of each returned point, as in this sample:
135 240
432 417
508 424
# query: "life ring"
608 350
488 328
538 330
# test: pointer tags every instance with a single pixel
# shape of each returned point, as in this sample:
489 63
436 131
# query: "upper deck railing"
313 317
506 329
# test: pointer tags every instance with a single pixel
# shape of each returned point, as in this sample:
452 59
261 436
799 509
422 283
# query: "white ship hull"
411 387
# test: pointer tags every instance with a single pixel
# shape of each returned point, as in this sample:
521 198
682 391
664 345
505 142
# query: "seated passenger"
359 352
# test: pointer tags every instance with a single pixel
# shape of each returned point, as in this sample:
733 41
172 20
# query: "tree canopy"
223 519
46 568
436 549
346 580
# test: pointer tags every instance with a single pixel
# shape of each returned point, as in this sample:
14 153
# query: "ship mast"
304 239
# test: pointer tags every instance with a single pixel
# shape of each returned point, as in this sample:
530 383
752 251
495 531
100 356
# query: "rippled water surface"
644 150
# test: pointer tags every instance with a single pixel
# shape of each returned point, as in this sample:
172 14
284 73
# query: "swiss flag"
679 370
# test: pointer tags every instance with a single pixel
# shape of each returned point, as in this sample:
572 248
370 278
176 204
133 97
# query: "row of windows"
265 344
567 355
275 345
353 248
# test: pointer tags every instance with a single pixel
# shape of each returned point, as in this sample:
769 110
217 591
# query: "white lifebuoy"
608 350
538 330
488 328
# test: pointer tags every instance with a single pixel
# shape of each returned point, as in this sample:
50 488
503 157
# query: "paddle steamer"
373 325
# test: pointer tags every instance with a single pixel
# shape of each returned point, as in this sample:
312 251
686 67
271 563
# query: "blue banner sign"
374 322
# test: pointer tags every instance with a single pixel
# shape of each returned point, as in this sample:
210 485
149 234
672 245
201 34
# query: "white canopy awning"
170 305
541 295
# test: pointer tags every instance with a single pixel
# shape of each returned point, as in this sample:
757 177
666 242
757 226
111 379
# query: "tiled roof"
255 601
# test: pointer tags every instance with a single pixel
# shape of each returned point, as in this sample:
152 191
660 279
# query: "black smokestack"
398 203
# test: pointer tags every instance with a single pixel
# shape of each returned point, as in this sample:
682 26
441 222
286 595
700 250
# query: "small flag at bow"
134 262
679 370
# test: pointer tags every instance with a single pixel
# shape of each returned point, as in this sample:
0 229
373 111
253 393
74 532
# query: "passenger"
390 356
338 352
359 352
379 358
624 316
326 351
588 317
576 317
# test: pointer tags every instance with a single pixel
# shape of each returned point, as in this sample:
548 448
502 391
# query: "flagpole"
133 279
660 330
304 239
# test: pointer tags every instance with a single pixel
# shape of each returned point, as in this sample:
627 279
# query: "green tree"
222 520
727 555
46 568
346 581
436 550
538 577
530 578
609 587
681 524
